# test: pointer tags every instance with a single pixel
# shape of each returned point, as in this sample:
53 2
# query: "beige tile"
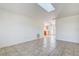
2 52
11 51
67 52
41 48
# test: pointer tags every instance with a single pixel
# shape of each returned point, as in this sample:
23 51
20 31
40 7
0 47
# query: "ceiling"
31 10
66 9
34 11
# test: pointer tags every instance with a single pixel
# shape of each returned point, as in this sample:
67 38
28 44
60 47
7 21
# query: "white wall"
16 28
67 29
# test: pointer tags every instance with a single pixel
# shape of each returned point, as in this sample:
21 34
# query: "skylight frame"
48 7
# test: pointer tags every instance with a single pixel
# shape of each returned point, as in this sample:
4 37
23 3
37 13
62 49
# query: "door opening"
49 28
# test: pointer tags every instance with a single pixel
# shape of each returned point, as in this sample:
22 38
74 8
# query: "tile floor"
42 47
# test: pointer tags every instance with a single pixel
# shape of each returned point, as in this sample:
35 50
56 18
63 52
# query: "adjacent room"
39 29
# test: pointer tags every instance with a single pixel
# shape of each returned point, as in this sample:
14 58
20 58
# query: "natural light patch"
47 6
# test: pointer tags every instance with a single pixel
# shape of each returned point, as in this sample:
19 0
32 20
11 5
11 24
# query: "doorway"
49 28
49 33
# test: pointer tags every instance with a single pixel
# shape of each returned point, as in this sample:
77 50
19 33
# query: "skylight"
47 6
